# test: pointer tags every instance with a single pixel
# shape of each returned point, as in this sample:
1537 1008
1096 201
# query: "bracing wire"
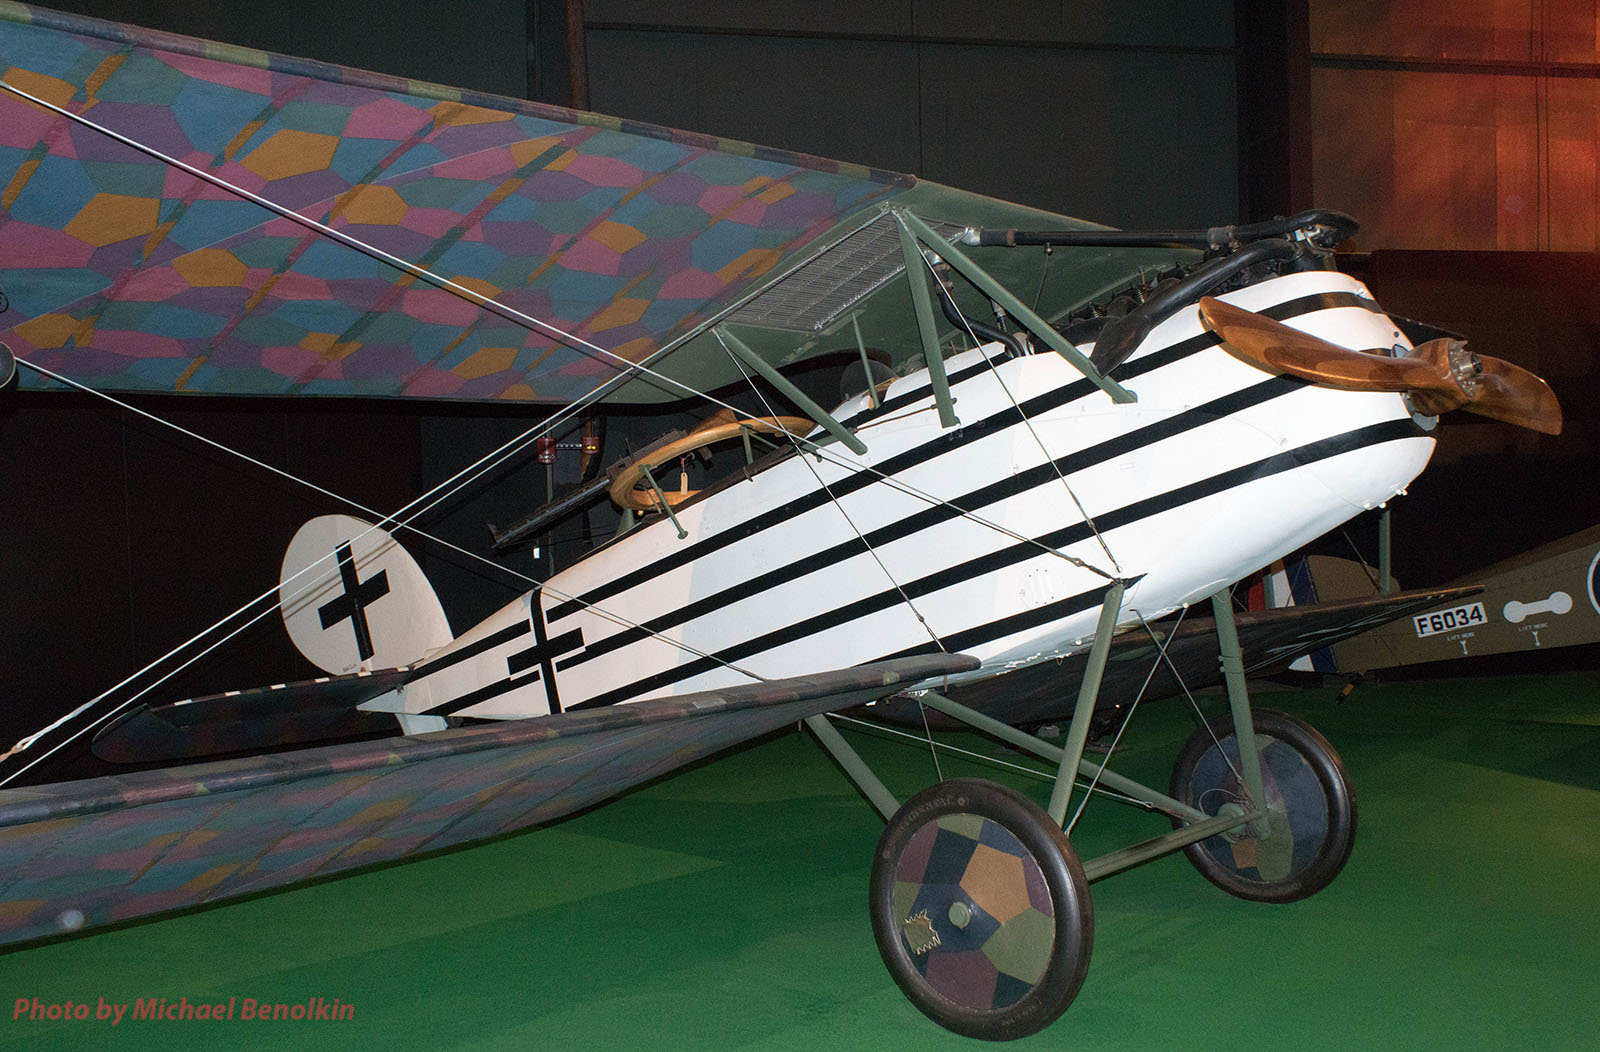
1193 703
986 759
1028 423
466 477
833 498
1116 739
906 599
405 516
628 368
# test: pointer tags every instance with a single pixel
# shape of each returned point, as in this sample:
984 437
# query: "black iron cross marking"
358 595
544 653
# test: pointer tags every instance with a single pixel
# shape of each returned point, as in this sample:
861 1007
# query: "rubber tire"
1321 814
1022 825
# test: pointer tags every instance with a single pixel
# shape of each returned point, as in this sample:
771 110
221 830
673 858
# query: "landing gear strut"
979 904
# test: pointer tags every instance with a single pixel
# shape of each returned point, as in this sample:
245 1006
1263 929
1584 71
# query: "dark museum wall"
479 45
118 540
1123 112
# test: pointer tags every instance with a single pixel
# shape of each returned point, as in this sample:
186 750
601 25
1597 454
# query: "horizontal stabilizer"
1537 601
241 721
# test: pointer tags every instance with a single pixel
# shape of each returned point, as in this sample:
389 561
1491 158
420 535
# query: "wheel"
981 910
1311 823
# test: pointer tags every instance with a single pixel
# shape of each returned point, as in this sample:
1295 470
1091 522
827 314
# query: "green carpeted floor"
725 908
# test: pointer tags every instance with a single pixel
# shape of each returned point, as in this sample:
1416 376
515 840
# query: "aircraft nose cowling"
1358 436
1258 522
1387 450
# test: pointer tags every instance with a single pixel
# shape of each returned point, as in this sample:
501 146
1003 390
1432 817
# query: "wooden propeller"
1439 375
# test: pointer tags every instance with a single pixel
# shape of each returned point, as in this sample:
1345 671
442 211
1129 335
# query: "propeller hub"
1465 368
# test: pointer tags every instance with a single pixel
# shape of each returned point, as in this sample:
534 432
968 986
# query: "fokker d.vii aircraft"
1057 433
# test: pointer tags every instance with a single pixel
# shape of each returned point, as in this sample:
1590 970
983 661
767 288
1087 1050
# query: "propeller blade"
1512 394
1491 387
1439 375
1277 348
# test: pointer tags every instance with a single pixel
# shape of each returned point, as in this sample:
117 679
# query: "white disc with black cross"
353 599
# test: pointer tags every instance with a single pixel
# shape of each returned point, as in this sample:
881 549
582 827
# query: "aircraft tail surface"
354 600
1543 599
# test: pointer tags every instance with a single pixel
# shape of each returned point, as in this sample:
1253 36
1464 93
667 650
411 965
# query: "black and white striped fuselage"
997 538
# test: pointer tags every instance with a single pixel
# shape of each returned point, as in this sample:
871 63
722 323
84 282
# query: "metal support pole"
1232 659
1036 325
927 328
550 537
1128 857
866 364
1053 753
1088 693
661 499
810 408
1385 563
854 766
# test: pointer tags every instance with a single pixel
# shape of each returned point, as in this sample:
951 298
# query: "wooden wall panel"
1574 130
1503 30
1352 147
1459 126
1516 161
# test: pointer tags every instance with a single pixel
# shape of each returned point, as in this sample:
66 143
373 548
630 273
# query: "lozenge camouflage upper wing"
598 240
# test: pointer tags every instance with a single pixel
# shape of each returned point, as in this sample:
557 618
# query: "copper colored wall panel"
1573 131
1459 126
1495 30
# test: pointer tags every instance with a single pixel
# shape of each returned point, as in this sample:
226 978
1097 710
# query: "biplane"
1541 600
1052 435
